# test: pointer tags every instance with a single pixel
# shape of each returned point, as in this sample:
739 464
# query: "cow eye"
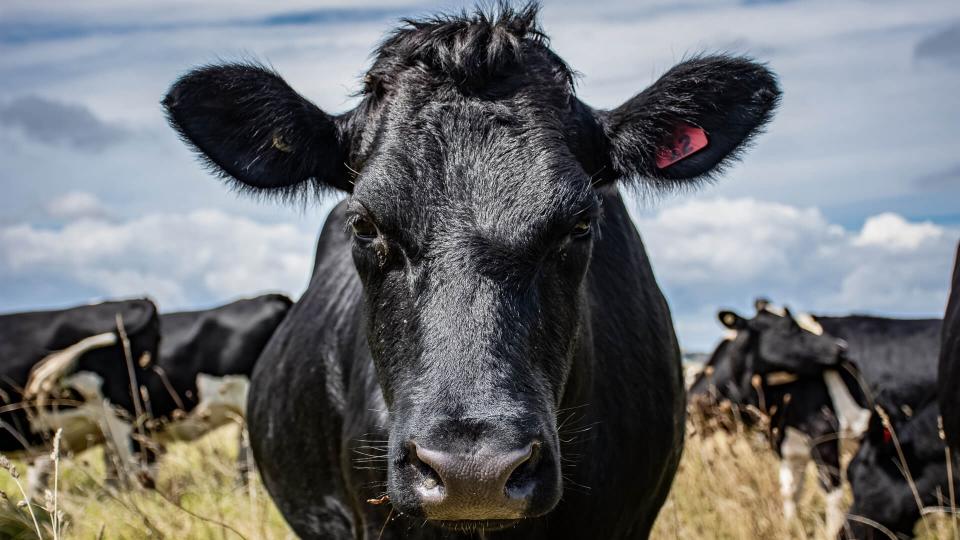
364 229
582 228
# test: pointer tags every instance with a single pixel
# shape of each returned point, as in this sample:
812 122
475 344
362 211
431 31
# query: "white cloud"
709 254
74 205
175 258
894 232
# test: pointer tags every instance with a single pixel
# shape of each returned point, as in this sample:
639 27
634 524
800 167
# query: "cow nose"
481 486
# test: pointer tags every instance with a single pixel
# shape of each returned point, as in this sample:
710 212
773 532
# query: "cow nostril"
431 479
520 483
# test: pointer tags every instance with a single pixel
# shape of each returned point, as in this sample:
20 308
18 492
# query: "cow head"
95 338
772 347
474 177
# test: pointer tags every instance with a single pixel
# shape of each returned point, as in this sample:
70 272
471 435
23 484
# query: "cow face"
777 341
756 348
475 178
882 493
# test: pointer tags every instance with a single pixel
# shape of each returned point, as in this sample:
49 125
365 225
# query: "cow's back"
314 391
896 357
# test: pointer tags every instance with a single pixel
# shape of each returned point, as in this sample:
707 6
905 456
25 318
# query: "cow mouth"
481 525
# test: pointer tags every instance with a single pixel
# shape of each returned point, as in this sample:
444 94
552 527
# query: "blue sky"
850 202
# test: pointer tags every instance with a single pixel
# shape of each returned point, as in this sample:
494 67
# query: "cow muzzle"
485 484
481 486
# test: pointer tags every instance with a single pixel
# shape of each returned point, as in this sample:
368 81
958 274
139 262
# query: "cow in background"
901 467
70 369
949 369
206 360
201 377
194 383
907 440
806 416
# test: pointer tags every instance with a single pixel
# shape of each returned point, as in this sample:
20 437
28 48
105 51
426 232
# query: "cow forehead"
472 164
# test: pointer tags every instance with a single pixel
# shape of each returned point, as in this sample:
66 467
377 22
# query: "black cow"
206 360
882 492
201 378
68 369
195 382
800 410
884 501
482 327
949 372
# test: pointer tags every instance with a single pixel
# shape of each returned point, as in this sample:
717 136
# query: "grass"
196 498
726 488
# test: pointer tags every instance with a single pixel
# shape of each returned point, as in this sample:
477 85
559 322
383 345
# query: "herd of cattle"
820 388
123 374
825 388
482 345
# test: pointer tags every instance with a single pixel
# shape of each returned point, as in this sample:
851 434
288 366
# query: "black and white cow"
948 378
481 283
818 380
69 369
810 415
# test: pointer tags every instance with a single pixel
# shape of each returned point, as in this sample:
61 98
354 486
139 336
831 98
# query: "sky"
849 203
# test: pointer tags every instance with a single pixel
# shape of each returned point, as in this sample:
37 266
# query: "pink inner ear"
686 140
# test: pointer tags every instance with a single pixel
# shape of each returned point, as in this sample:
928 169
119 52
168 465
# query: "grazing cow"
206 360
201 378
900 469
823 382
69 369
196 383
949 372
801 408
482 331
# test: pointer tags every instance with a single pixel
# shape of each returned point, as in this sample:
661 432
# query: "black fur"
481 290
248 124
949 367
731 98
877 474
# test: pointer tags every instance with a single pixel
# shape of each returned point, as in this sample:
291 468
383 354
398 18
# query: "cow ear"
249 125
695 119
731 320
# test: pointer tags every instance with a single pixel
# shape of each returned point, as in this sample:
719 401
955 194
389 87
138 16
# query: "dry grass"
196 498
726 488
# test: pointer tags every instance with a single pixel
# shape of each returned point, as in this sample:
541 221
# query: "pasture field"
726 489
